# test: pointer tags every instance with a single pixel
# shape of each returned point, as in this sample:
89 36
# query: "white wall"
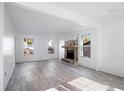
71 36
93 60
107 48
40 45
8 46
113 47
1 35
60 49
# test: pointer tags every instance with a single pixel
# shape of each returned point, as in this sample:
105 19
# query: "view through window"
28 47
50 47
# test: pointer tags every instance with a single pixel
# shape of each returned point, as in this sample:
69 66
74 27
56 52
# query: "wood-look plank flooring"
60 76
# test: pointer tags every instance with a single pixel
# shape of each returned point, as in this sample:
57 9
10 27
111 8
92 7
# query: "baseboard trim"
9 78
36 61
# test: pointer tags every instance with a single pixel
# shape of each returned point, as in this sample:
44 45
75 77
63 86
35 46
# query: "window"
28 48
50 47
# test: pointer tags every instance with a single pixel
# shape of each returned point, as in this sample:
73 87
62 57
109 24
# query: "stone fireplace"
71 52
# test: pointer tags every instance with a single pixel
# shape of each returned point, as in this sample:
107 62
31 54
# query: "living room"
61 46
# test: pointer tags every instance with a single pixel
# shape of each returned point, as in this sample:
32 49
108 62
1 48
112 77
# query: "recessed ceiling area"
28 21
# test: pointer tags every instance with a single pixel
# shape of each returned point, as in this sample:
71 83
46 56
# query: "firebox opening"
70 54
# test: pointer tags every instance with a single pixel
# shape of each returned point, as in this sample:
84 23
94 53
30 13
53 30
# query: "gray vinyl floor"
54 75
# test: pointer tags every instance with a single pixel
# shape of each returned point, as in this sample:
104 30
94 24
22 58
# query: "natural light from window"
85 84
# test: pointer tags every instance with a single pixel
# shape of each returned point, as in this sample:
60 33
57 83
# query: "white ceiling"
101 12
40 23
61 18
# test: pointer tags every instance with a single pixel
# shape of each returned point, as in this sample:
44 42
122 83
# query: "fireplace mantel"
69 46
